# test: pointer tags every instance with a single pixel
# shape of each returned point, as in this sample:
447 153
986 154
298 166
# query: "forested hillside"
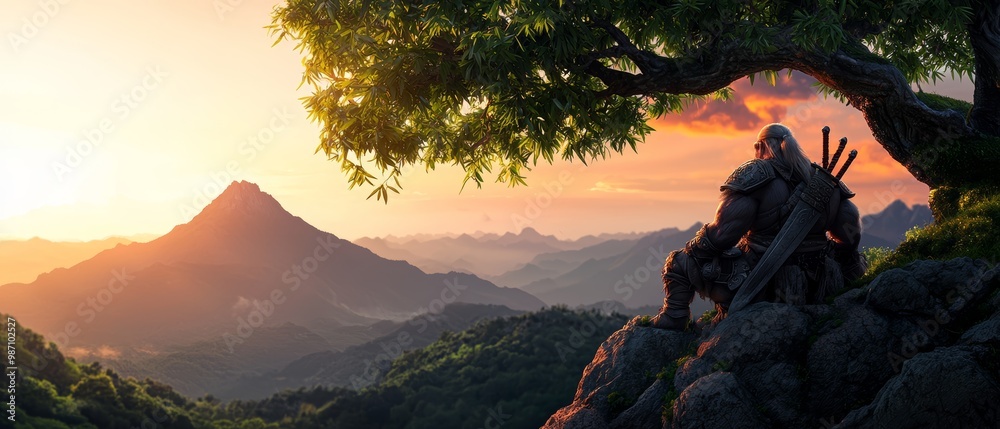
512 371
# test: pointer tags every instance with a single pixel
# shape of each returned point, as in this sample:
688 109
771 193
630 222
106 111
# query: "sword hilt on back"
836 155
847 164
826 147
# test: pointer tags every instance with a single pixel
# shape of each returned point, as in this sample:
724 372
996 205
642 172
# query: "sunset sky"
169 95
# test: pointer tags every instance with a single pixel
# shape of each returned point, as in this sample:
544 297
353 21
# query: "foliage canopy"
503 84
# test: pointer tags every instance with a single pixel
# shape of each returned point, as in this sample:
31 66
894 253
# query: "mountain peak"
243 198
897 206
530 232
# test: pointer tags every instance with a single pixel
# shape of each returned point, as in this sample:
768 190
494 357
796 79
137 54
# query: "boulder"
577 416
647 411
762 333
944 388
942 277
986 332
625 365
898 291
777 386
717 401
847 365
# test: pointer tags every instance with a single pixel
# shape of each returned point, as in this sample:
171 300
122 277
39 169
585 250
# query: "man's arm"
846 235
733 218
846 229
736 212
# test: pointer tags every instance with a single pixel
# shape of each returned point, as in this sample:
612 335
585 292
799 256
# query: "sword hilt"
847 164
836 155
826 147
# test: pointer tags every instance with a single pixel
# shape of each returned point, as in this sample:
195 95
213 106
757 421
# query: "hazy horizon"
145 236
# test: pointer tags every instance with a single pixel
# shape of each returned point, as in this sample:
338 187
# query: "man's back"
774 204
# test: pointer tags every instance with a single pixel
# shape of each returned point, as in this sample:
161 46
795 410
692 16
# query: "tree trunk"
984 35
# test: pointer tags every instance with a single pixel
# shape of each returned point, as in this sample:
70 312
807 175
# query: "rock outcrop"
919 347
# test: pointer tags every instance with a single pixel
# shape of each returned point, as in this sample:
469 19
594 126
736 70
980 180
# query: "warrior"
757 199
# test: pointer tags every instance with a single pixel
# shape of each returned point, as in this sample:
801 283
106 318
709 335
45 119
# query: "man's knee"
677 266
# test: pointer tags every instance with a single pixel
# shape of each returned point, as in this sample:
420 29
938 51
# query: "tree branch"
646 61
899 121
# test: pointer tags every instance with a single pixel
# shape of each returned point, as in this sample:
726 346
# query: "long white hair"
780 144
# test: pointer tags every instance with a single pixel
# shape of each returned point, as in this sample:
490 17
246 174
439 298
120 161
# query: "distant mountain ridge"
586 240
21 261
631 277
242 258
554 264
487 255
888 227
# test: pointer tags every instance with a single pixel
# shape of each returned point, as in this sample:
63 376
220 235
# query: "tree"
503 84
98 388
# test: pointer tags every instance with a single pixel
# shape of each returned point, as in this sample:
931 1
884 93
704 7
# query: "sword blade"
802 219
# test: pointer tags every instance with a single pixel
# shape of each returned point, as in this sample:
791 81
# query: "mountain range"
223 266
245 233
632 277
487 255
242 263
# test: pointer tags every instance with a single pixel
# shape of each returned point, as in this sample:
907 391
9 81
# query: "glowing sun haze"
122 118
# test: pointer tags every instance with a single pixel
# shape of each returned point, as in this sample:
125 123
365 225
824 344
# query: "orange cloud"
750 106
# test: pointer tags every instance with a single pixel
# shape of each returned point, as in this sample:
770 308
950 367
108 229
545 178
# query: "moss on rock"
967 223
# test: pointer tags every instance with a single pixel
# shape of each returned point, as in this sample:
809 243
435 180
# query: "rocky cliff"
917 347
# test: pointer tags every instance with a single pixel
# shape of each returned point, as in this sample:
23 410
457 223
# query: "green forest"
513 372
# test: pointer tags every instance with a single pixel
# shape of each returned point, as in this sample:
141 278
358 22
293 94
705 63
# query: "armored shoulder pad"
748 177
845 191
